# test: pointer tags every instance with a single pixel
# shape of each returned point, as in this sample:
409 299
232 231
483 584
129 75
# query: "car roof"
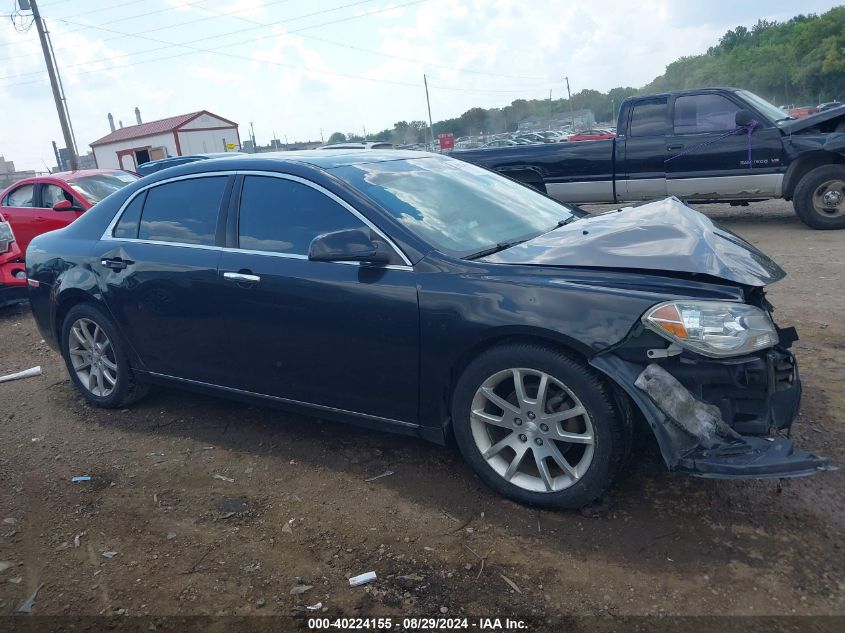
324 159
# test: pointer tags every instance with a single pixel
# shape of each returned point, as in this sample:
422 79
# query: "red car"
45 203
591 135
12 269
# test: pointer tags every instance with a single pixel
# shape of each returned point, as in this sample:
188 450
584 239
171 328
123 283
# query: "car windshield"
771 111
457 207
95 188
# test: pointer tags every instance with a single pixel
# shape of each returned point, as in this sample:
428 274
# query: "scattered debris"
362 579
26 373
224 478
171 536
314 607
26 605
286 528
386 473
260 603
511 583
110 554
10 520
300 589
412 577
79 478
16 580
76 539
4 565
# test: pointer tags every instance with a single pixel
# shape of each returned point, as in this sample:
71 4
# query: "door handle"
678 146
116 263
241 277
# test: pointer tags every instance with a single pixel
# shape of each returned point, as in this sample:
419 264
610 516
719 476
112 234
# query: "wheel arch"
528 336
65 301
804 165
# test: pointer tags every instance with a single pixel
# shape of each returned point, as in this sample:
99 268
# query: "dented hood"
665 235
796 125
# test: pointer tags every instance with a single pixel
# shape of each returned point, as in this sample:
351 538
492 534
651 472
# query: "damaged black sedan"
423 295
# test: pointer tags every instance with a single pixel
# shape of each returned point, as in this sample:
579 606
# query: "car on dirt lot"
427 296
45 203
12 268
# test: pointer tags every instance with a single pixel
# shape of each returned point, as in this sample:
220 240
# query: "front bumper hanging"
713 418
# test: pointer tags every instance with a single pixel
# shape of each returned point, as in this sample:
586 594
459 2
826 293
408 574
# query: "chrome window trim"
108 233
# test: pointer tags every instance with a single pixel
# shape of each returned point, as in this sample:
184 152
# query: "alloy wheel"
829 199
92 356
532 430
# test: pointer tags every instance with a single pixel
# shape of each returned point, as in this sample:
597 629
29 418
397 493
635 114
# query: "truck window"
698 114
649 118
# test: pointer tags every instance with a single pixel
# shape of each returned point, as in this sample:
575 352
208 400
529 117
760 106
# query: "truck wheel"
819 198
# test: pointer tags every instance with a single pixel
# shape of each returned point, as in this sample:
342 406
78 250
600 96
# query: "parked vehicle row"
424 295
715 144
44 203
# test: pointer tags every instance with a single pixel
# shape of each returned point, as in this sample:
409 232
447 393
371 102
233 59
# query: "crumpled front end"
716 417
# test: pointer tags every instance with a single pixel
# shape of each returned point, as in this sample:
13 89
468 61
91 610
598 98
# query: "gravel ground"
218 508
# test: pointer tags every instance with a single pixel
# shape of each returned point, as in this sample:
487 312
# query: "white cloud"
294 84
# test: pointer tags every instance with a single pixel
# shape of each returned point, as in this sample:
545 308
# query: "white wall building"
193 133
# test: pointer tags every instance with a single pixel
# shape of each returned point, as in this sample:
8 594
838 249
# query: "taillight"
6 237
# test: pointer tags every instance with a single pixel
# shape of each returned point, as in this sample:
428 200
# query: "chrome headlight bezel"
695 325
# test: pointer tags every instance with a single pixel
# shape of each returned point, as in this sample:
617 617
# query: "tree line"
800 62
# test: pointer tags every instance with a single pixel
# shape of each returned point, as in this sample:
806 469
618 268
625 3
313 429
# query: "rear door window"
282 216
698 114
649 117
22 197
184 211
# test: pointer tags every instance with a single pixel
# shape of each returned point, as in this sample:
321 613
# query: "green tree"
337 137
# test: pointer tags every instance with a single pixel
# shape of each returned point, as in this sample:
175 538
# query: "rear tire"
96 359
819 198
557 442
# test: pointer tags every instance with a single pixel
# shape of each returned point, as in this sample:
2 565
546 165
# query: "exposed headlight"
6 236
713 328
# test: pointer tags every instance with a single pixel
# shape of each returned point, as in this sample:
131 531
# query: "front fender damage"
692 435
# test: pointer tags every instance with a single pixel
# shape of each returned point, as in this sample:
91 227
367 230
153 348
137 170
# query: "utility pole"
54 84
571 108
428 103
252 134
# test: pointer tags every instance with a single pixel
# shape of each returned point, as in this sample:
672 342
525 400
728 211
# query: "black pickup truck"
707 145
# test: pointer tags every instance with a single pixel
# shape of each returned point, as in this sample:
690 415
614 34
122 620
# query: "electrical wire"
215 50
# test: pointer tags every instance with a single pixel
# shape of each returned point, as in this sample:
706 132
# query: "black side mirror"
743 118
350 245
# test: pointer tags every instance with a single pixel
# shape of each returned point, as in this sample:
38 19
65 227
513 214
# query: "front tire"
819 198
538 427
95 357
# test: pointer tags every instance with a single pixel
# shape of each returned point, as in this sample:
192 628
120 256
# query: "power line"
87 27
379 53
215 49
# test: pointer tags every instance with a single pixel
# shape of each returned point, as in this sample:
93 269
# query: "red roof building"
193 133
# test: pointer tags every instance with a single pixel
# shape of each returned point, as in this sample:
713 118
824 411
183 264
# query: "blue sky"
295 66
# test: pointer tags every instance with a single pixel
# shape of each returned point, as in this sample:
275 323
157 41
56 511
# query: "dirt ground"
218 508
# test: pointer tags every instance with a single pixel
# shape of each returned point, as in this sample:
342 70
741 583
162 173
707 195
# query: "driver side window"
51 194
278 215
